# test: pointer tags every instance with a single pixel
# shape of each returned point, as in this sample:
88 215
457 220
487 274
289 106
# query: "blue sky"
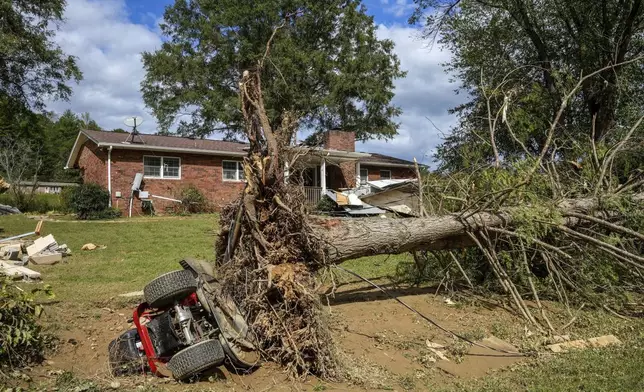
384 11
108 37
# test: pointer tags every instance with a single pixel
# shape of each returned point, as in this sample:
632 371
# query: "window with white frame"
385 174
162 167
233 171
364 176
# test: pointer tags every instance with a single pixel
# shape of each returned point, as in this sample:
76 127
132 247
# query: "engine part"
184 320
162 335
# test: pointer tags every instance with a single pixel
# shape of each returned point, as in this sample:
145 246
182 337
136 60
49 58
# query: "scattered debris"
351 204
91 246
437 346
42 251
132 294
398 196
46 259
42 244
449 302
439 354
8 210
35 232
46 251
17 272
11 252
498 344
600 341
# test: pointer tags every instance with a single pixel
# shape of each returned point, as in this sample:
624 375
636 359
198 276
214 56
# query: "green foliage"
525 56
535 220
21 338
590 275
60 136
326 65
193 201
91 201
68 382
32 67
40 203
326 204
52 139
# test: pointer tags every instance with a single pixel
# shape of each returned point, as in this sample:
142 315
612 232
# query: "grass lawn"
139 249
596 370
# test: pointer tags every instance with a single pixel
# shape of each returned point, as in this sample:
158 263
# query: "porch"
320 170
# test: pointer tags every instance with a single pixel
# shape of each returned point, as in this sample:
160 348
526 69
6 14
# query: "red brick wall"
349 173
340 140
396 172
202 171
92 162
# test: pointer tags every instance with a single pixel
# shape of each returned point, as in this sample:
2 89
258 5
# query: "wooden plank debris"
17 272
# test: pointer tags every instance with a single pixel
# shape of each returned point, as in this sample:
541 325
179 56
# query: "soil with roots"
270 273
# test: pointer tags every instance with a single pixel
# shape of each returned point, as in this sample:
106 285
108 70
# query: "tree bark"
349 238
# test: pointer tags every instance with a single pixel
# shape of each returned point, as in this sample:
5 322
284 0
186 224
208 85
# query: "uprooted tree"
520 216
536 221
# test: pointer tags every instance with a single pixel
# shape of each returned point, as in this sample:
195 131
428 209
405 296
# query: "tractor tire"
170 287
196 358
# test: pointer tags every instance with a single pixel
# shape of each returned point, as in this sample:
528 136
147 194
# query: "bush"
21 338
66 199
91 201
193 201
326 204
40 203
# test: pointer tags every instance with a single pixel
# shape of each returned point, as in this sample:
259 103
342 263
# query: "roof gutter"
384 164
333 153
171 149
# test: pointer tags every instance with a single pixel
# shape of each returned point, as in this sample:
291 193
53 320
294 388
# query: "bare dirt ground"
385 345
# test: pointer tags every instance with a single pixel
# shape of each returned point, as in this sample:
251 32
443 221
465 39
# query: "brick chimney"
336 139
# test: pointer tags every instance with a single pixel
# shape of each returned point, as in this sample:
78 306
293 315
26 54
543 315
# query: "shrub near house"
91 201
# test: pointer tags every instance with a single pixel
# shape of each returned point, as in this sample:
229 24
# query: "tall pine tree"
326 65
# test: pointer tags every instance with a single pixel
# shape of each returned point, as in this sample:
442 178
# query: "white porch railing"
313 194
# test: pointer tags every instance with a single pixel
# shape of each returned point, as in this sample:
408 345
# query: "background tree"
326 65
89 123
20 161
32 67
60 137
517 58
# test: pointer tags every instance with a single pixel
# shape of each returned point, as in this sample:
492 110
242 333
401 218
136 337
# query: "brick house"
171 163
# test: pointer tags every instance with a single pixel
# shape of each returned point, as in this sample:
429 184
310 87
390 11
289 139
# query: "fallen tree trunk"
348 238
269 247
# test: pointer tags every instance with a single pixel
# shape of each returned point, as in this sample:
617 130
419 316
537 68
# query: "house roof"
375 159
148 142
119 140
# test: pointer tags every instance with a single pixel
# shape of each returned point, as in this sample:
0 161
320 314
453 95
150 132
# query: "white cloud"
398 8
108 47
424 94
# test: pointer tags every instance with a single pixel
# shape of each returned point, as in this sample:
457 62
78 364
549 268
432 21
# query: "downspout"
109 174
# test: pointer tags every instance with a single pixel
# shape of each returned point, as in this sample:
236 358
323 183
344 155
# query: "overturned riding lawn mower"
186 326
